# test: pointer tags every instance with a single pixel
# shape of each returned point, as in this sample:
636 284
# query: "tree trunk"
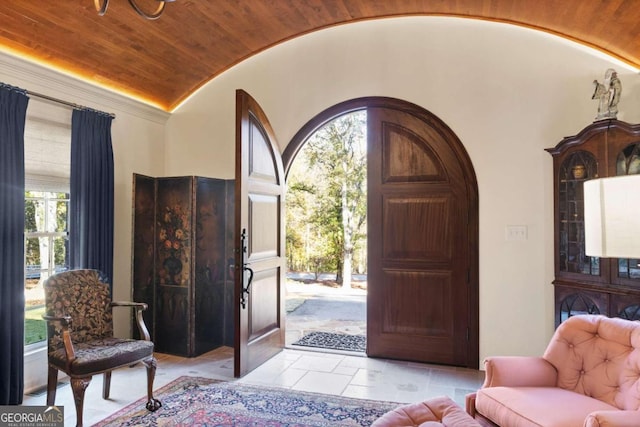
347 227
346 272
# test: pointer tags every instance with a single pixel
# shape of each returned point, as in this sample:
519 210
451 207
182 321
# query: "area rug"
195 401
334 341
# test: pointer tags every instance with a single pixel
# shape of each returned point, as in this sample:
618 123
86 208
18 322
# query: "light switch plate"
516 232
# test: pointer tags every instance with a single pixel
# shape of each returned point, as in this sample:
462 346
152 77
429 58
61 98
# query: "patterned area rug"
334 341
194 401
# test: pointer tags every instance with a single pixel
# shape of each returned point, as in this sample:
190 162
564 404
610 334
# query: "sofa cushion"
537 406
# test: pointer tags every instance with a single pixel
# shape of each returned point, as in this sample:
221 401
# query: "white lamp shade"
612 217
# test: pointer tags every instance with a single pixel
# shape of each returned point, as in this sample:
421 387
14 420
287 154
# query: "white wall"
507 92
138 146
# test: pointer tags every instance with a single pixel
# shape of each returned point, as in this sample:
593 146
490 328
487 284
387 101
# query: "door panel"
406 158
264 240
423 216
264 316
430 294
261 162
419 255
259 288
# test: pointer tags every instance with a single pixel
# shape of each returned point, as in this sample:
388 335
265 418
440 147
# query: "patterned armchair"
80 336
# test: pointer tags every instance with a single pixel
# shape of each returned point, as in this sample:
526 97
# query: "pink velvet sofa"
588 376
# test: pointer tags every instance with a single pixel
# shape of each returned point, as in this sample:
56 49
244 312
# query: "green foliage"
33 248
36 221
326 197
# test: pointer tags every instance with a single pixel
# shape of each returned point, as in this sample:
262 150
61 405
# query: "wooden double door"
422 302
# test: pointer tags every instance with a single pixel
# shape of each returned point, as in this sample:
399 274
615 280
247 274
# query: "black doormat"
334 341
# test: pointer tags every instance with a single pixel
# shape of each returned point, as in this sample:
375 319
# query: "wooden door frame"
301 137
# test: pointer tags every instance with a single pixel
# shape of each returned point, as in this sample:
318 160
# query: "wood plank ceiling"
162 62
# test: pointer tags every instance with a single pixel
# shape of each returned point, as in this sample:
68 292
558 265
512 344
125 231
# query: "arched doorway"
326 248
423 233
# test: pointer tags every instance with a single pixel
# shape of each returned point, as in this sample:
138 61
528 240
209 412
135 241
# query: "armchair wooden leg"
152 403
78 386
52 386
106 385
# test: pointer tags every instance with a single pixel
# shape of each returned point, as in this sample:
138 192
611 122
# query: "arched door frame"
300 138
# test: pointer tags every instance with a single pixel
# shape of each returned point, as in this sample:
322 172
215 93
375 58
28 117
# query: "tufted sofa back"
599 357
84 295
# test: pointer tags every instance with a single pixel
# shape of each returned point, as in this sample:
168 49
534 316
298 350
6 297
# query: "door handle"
245 290
245 267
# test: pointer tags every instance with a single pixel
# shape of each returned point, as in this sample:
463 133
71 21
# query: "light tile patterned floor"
330 373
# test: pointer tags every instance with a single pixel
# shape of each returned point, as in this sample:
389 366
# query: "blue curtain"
13 110
91 196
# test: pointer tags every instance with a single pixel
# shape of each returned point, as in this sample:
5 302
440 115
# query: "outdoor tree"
30 223
326 198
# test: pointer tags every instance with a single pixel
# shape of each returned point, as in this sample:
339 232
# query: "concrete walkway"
314 307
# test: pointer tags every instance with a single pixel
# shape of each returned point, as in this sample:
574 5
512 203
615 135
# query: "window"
46 248
47 143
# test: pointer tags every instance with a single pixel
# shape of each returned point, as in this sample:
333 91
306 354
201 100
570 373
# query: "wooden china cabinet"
584 284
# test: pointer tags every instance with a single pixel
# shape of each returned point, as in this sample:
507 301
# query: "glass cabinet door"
575 169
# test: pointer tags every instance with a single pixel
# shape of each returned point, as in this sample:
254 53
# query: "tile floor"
341 373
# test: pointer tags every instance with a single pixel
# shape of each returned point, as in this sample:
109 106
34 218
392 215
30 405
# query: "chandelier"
101 8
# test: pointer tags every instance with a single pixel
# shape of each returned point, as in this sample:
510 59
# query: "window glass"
47 142
34 210
46 253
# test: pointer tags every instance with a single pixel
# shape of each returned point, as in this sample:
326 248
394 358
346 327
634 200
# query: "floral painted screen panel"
174 220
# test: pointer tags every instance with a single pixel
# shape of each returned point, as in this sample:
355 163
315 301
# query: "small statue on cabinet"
608 95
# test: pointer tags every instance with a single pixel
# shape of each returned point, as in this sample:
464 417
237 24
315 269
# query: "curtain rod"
67 103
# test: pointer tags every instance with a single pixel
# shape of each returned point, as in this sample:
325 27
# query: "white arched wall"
506 91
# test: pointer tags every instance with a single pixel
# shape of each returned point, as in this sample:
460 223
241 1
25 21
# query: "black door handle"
245 290
245 267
